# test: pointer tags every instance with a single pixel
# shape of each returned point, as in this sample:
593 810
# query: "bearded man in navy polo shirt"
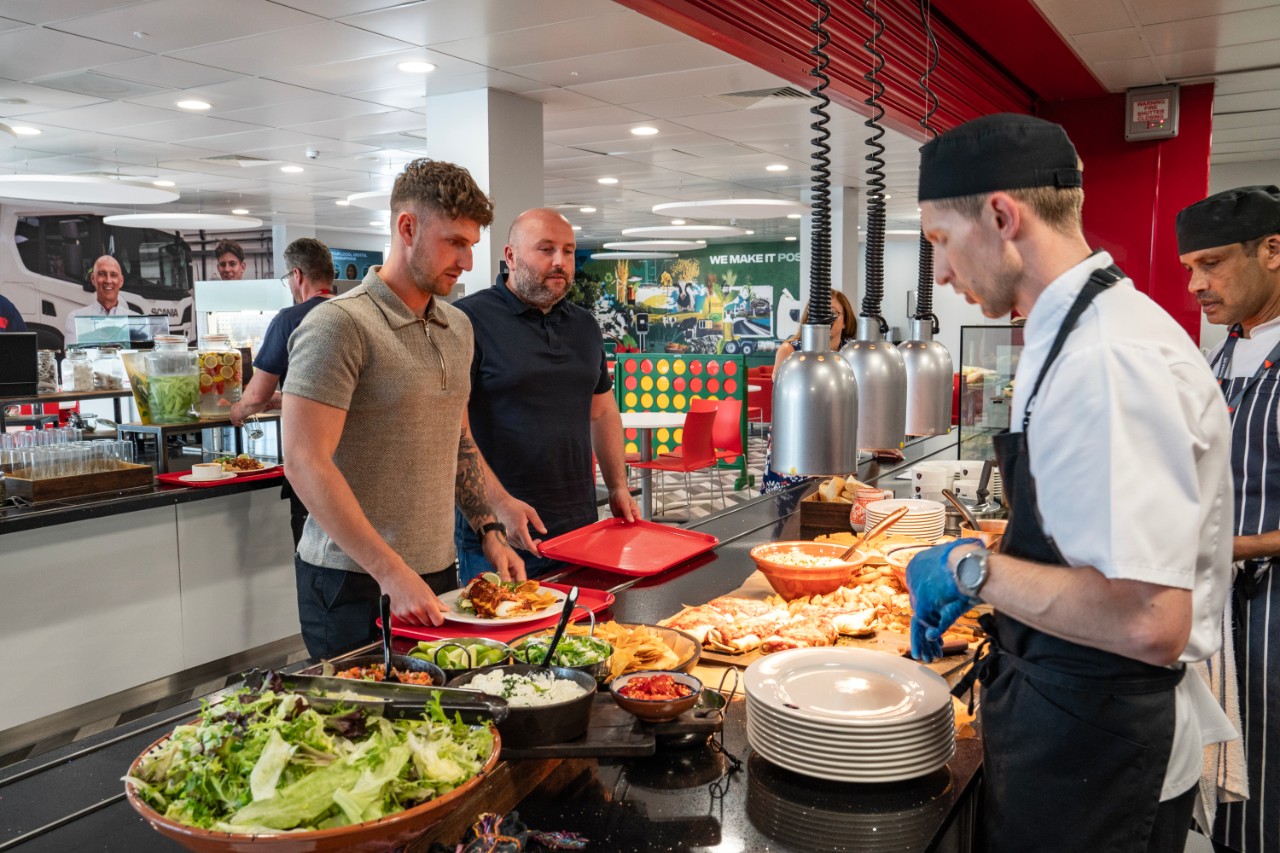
541 399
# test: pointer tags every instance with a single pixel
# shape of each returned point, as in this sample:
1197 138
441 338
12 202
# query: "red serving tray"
172 478
635 548
595 600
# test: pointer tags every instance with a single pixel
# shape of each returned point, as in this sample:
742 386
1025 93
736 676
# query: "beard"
533 290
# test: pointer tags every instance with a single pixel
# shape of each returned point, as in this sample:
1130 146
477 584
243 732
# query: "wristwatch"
972 570
485 529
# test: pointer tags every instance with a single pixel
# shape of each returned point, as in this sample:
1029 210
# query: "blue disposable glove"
936 601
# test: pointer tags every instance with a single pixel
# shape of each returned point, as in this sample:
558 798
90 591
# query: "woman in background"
844 328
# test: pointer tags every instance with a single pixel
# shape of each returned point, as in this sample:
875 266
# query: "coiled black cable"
873 293
820 312
924 288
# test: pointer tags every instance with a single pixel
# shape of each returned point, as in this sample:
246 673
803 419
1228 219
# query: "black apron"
1076 741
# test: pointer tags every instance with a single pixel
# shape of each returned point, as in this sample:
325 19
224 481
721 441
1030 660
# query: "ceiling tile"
1220 31
1246 134
606 115
1260 118
713 81
272 52
674 108
1113 44
562 40
256 142
171 25
427 22
302 111
613 65
1248 102
30 53
1160 11
239 93
338 8
184 128
358 127
1245 157
174 73
1073 17
1245 147
1247 81
1206 63
109 114
363 73
41 99
48 11
1126 73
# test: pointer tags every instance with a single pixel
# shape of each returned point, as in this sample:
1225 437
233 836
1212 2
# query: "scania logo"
164 312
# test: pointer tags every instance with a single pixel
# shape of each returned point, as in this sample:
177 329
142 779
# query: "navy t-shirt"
10 318
533 378
273 355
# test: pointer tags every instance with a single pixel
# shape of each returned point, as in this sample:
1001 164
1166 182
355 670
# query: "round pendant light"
656 245
731 208
184 221
685 232
83 189
372 200
633 256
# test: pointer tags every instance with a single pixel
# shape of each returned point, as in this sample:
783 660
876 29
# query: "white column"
497 136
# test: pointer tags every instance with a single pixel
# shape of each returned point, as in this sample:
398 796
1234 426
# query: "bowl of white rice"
548 704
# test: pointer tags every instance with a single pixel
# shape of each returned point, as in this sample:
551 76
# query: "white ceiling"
101 78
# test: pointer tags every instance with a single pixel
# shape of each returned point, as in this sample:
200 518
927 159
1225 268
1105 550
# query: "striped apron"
1253 826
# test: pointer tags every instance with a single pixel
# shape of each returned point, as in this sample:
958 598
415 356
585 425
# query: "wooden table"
645 423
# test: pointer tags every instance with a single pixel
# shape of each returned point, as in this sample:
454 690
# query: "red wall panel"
1134 190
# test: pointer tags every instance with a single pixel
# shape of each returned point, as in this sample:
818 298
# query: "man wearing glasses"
310 280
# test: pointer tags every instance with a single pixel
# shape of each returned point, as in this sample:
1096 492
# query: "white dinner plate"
817 770
453 614
225 475
889 749
847 687
875 739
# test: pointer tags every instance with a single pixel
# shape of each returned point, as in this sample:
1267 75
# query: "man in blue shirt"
10 319
541 399
310 280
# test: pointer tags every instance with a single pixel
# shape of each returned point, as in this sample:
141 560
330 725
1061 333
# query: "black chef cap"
1231 216
1005 151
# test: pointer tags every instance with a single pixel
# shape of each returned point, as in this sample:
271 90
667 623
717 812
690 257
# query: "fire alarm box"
1151 113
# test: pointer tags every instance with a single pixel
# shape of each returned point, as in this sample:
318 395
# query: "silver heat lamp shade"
815 409
882 387
929 381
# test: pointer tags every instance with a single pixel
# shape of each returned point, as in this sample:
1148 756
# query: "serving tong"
393 701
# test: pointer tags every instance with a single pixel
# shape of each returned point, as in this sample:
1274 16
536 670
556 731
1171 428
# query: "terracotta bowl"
793 581
390 832
991 531
899 559
657 710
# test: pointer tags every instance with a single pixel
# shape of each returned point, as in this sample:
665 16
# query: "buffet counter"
681 799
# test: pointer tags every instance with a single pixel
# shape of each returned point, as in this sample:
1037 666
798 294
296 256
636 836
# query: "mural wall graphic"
736 299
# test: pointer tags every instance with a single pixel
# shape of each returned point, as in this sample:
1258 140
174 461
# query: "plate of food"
242 465
489 600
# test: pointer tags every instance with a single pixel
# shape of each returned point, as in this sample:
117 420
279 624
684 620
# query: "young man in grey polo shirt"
373 424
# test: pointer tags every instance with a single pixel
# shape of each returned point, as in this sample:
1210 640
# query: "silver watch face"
970 571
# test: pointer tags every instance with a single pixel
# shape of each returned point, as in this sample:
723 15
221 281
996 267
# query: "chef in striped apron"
1230 243
1114 568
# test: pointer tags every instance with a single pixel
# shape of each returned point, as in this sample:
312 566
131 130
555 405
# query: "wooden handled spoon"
875 530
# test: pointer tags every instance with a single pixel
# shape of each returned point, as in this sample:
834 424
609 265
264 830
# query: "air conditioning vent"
753 99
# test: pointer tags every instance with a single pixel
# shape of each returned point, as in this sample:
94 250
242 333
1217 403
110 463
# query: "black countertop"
685 799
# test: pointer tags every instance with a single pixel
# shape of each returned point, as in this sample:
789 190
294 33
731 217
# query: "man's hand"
237 414
936 601
518 517
412 601
622 504
502 557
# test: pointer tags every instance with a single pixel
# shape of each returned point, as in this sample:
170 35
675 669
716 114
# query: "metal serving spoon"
569 603
970 521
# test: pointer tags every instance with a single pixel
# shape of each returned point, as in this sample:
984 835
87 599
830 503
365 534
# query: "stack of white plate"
924 519
849 715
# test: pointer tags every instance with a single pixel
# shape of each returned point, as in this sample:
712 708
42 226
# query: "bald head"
107 280
539 252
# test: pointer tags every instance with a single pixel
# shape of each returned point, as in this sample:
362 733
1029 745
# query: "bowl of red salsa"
656 696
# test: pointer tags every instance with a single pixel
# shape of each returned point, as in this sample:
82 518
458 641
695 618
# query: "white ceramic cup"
930 478
967 489
206 471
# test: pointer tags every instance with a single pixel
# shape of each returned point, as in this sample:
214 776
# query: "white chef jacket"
1129 444
94 309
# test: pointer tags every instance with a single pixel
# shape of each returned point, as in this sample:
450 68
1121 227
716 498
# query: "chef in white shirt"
107 280
1116 560
1230 243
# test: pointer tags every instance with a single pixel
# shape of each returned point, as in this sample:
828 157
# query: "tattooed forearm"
469 493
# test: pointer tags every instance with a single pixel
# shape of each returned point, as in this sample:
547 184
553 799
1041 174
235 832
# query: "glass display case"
241 310
988 360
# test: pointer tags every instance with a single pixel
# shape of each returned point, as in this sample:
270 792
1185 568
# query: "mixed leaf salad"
572 651
269 761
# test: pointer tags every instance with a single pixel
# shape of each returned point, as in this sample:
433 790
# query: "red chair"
726 432
760 403
696 452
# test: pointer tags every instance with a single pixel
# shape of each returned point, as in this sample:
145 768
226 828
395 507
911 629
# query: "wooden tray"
127 476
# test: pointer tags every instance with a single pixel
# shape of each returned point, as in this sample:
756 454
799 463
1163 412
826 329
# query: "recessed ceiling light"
606 180
586 210
677 222
162 183
749 231
644 130
292 170
376 223
789 239
887 196
23 130
193 104
416 67
776 167
239 211
793 216
577 228
342 202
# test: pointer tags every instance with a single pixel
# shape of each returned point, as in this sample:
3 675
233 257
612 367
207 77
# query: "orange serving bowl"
991 531
388 833
899 559
782 564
